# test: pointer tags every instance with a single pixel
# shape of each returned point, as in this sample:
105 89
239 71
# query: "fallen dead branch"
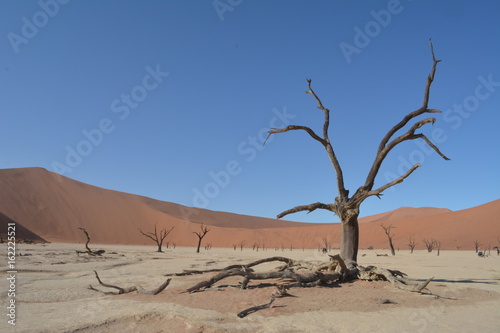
88 250
244 267
121 290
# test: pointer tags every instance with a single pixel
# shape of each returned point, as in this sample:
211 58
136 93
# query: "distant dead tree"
477 245
387 231
242 243
203 231
88 250
327 244
437 245
429 244
412 244
157 236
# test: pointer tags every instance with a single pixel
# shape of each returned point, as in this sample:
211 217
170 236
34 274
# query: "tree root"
324 273
121 290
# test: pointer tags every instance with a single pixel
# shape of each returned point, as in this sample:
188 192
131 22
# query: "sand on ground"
52 294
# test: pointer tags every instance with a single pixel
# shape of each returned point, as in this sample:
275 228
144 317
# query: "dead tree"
242 243
412 244
326 244
387 231
477 245
437 245
429 244
346 207
88 250
203 231
157 237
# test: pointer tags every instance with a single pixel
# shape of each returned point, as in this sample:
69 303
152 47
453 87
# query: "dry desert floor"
52 294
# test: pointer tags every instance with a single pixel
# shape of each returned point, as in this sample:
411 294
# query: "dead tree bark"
204 230
157 237
88 250
387 231
347 207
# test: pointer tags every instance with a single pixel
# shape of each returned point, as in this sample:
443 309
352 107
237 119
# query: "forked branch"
203 231
325 142
385 146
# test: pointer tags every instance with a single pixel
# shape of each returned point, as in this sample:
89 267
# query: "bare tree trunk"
349 239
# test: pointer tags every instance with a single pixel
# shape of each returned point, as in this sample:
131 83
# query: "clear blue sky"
159 98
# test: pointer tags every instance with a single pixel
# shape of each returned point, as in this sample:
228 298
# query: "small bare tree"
477 245
327 243
437 245
429 244
242 243
412 244
157 236
203 231
387 231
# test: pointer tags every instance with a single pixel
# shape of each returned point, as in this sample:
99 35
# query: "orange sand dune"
54 207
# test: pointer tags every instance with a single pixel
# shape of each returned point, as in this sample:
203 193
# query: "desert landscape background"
52 280
51 207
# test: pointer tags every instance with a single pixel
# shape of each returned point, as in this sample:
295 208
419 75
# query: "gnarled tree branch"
293 128
121 290
89 251
309 208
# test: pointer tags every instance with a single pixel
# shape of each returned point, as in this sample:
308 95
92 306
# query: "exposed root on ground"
294 273
309 274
